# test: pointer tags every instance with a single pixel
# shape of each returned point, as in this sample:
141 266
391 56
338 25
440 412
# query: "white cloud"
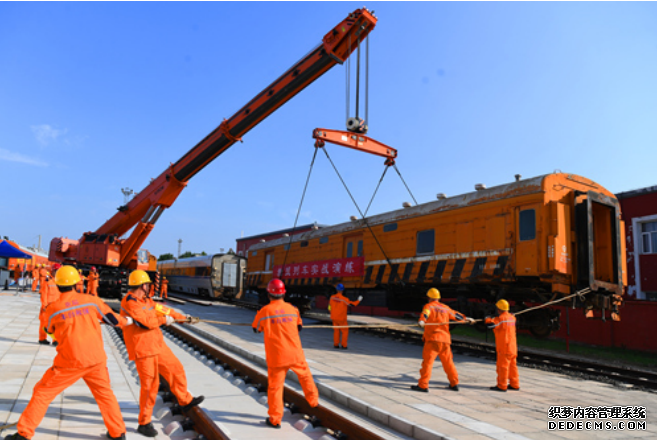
17 157
46 134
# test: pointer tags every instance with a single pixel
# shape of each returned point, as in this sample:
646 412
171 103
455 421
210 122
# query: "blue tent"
8 251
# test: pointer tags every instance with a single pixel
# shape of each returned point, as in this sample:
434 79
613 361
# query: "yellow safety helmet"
39 265
138 277
502 305
67 276
433 293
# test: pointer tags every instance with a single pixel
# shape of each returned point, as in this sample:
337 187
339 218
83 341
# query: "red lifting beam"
356 141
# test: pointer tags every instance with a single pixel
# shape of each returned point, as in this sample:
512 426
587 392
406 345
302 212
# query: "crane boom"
105 247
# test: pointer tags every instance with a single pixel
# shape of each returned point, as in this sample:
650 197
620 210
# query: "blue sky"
99 96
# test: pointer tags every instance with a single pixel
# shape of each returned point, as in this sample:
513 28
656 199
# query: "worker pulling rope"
579 293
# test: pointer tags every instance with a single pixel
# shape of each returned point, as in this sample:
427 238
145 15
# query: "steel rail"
319 415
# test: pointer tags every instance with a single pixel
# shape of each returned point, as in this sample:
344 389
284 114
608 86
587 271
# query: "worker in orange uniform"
338 307
17 273
504 327
437 340
35 277
281 323
164 288
79 287
43 273
92 282
74 321
152 356
49 294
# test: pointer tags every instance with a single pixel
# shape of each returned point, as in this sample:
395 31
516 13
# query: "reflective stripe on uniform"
78 307
275 316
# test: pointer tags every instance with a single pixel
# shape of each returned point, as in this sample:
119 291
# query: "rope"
11 425
387 325
303 195
549 303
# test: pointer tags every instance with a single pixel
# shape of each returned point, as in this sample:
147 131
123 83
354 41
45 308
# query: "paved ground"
374 376
74 414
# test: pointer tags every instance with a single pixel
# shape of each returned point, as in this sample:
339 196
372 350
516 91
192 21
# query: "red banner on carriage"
339 267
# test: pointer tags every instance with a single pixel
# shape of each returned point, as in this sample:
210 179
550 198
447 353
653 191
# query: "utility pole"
127 192
179 244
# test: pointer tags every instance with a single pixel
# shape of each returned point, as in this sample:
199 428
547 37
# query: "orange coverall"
74 319
279 320
145 345
35 278
164 289
43 273
338 306
92 283
49 294
437 341
80 285
17 273
504 327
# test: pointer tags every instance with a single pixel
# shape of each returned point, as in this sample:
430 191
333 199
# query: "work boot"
344 348
513 389
419 388
453 388
16 436
55 344
121 437
195 401
336 346
496 388
269 423
147 430
44 342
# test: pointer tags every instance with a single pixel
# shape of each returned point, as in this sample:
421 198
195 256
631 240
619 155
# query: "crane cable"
303 195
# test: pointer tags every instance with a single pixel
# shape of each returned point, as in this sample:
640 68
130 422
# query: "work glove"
255 330
129 320
193 319
360 298
470 320
299 327
170 320
420 323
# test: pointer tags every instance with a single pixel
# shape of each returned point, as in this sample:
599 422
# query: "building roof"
636 192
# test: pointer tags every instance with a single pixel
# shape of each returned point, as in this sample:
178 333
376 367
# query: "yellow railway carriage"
531 240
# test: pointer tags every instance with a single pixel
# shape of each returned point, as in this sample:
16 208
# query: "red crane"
115 255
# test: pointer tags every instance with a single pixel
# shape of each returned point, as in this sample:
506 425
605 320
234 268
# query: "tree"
164 257
187 254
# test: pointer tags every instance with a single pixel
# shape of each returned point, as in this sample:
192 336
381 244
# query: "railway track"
337 426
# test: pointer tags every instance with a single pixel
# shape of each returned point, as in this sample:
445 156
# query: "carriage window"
350 249
390 227
304 243
323 240
359 252
287 247
201 271
254 253
425 242
527 223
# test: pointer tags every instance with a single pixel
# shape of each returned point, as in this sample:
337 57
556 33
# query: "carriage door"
353 246
526 253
